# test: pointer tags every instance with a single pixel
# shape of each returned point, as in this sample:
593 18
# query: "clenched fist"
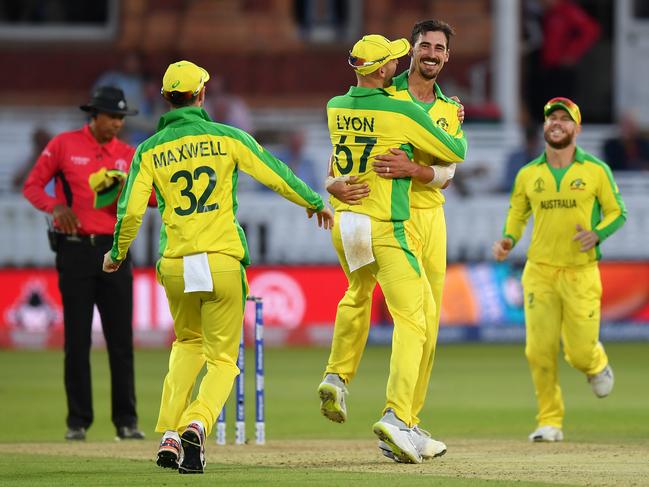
501 248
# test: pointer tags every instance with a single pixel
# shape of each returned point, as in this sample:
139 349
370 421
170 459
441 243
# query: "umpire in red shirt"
89 166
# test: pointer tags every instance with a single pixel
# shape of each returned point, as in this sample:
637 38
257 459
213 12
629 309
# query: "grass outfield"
480 402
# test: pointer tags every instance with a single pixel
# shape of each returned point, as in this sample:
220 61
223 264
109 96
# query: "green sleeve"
131 206
519 211
428 137
270 171
612 207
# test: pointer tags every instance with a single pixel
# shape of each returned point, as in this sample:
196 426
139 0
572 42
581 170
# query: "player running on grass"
375 242
576 205
193 164
430 40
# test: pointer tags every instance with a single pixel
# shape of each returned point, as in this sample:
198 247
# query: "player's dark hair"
432 25
179 99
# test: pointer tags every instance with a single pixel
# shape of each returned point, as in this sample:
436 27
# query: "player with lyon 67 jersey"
372 239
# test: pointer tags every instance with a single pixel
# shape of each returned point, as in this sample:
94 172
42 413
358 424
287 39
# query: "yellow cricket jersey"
443 111
584 193
366 122
192 164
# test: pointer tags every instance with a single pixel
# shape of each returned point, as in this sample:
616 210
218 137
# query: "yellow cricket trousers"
428 227
562 304
208 330
399 272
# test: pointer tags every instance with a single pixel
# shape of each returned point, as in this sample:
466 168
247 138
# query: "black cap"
108 99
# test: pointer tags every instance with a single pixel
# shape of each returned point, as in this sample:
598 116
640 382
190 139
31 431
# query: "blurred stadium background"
275 63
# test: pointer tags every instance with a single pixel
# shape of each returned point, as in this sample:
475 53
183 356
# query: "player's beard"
429 72
562 143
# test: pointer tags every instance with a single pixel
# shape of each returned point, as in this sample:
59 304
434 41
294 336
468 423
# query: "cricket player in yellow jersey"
576 205
374 242
192 163
430 51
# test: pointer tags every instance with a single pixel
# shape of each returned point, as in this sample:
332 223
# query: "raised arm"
273 173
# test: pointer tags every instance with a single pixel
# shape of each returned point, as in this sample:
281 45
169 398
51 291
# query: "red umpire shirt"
71 157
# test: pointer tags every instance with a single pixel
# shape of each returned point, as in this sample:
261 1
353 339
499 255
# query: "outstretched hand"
325 217
588 239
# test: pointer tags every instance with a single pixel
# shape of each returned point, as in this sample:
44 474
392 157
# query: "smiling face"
429 54
559 129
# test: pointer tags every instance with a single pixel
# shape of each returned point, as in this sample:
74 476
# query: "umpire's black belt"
93 240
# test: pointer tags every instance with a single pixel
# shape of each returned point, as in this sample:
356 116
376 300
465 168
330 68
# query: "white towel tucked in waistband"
197 274
356 234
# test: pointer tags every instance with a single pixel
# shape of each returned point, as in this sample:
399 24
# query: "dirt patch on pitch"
563 463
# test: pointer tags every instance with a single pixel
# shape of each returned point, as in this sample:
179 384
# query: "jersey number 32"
195 204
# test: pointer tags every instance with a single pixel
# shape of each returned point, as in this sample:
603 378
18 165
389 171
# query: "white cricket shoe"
427 446
546 433
398 437
333 395
602 383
